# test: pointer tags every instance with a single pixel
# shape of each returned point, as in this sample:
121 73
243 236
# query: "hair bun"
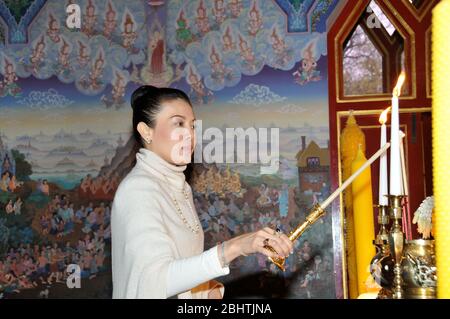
140 92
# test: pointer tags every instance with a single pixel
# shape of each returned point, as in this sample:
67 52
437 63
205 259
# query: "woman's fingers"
267 252
288 242
277 242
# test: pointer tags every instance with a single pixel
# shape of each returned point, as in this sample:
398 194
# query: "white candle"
383 179
405 190
395 173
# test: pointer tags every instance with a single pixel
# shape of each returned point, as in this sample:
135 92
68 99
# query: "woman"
157 240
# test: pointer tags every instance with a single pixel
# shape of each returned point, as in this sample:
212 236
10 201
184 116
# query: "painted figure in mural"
4 182
83 55
219 71
38 55
63 57
12 184
89 19
94 78
200 94
184 34
218 11
110 21
157 176
202 18
307 71
227 41
117 92
263 199
280 48
157 54
53 29
255 21
247 54
9 208
45 188
128 34
85 185
235 7
9 85
111 184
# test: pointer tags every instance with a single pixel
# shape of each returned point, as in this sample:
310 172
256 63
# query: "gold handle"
316 213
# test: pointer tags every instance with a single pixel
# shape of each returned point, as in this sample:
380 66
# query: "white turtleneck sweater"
154 253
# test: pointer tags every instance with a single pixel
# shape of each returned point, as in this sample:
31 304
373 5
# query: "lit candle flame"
383 117
398 87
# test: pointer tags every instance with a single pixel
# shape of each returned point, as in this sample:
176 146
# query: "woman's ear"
146 132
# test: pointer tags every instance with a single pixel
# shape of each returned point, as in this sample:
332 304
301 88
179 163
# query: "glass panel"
373 55
363 66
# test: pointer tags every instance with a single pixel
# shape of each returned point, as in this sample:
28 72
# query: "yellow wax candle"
351 137
441 143
363 221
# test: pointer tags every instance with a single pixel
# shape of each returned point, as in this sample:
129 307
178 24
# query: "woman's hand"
254 243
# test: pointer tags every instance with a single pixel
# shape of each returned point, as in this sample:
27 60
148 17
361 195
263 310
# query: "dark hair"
146 102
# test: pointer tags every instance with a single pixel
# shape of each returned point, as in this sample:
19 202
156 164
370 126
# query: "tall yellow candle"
363 221
351 138
441 143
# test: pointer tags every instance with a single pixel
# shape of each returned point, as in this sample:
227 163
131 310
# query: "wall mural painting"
65 132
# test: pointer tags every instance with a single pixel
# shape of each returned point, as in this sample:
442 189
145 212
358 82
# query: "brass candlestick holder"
382 239
381 266
316 213
396 242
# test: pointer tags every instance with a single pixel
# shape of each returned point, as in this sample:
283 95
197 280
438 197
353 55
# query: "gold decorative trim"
339 115
409 60
419 13
427 60
423 164
341 212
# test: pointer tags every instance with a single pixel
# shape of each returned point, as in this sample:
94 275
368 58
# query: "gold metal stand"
382 239
396 242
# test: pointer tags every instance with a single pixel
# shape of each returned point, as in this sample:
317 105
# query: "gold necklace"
194 229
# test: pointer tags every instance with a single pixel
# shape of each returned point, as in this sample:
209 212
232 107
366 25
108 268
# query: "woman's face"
173 137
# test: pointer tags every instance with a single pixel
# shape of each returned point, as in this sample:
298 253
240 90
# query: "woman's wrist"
233 248
230 250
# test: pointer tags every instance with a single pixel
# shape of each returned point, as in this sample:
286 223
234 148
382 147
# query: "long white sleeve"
185 274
